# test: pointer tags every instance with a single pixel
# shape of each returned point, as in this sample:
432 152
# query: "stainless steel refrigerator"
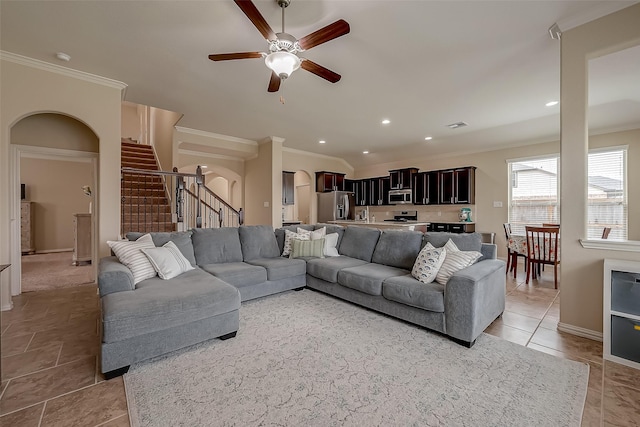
335 206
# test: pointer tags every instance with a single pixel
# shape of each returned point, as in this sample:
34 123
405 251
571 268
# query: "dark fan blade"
274 83
254 16
239 55
323 35
320 71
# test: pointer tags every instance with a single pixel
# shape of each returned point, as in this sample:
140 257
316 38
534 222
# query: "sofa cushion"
464 241
158 304
428 263
182 239
397 248
131 255
455 260
368 278
168 261
409 291
216 245
359 242
258 241
281 268
333 228
327 268
237 274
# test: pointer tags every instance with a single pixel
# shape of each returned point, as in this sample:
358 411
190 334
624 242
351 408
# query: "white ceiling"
422 64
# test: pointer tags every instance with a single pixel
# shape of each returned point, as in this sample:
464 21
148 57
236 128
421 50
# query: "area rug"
53 271
308 359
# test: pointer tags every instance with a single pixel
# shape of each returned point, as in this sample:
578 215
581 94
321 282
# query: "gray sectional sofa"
373 270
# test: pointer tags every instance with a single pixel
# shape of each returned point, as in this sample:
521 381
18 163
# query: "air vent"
457 125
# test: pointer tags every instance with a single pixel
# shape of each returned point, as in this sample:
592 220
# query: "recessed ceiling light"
386 121
551 103
428 138
204 167
365 152
322 141
63 56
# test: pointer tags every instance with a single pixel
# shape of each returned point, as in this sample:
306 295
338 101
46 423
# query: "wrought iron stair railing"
171 201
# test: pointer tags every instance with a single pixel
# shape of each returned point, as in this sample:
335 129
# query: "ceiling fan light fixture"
282 63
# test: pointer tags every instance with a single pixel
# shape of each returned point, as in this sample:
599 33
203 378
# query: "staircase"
144 207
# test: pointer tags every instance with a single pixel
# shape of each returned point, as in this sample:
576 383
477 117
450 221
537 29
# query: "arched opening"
56 162
302 197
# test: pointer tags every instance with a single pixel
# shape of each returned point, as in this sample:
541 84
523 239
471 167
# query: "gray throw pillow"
182 239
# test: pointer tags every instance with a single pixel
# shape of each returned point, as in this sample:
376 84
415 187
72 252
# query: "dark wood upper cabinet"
379 191
288 188
425 188
457 186
329 181
402 178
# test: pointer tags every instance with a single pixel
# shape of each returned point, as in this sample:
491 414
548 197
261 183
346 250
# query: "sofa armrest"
473 298
489 251
114 276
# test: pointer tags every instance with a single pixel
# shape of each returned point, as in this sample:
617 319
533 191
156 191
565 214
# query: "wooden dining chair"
543 249
512 256
605 232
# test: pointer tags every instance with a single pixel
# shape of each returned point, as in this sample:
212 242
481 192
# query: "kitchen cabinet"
288 188
360 189
402 178
379 191
457 186
329 181
425 188
452 227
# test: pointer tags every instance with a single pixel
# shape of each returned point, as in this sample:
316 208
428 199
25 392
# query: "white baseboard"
581 332
54 251
7 307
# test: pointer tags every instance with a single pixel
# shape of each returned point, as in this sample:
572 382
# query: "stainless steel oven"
400 197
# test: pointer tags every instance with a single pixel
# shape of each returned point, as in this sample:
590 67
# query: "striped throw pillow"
455 260
131 255
307 248
168 261
288 238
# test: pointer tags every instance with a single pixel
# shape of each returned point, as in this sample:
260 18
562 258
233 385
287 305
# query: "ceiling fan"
282 58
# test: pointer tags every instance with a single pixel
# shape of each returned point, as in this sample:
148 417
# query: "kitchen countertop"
381 224
452 222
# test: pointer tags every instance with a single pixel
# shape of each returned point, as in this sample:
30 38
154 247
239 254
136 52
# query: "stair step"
148 228
137 165
140 178
130 187
135 217
144 200
143 191
138 157
135 209
133 146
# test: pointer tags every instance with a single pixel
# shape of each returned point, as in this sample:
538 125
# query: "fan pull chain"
282 101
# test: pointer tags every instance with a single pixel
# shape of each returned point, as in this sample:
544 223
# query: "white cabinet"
27 225
621 321
81 238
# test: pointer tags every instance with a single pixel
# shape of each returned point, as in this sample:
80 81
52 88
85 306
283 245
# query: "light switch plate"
266 204
497 204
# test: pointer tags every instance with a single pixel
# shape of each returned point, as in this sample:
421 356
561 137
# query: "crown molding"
322 156
603 9
215 136
68 72
210 155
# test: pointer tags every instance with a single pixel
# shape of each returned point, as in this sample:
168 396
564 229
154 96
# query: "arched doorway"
54 156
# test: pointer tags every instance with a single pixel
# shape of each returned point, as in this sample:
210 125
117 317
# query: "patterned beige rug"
307 359
53 271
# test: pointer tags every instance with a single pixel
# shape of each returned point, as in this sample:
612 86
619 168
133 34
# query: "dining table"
518 243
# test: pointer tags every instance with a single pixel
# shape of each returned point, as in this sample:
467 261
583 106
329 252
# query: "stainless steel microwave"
400 197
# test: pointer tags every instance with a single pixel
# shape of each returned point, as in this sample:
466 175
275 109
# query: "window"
533 192
607 195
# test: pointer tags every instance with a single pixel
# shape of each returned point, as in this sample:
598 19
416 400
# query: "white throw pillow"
131 255
428 263
288 237
314 234
168 261
455 260
330 243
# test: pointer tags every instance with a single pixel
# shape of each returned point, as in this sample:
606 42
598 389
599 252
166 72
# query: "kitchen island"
398 225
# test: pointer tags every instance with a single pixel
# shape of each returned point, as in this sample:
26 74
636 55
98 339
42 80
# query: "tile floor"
51 376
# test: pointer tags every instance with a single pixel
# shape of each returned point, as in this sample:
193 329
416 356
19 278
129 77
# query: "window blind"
607 193
533 192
